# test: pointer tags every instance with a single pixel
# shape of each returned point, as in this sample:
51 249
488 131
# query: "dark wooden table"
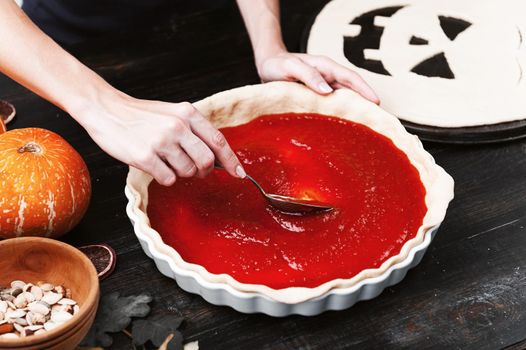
469 292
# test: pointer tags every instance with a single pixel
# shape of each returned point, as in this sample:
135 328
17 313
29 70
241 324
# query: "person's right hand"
163 139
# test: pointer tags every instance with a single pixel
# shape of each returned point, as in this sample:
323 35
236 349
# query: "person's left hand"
319 73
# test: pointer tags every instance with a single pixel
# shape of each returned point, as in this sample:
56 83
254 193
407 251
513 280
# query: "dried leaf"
156 329
114 315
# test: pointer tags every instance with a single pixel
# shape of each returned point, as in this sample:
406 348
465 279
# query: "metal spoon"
286 204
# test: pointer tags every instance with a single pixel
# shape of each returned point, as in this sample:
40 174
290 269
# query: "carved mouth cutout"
371 34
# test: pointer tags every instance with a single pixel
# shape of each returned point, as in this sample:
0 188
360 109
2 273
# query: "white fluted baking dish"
240 105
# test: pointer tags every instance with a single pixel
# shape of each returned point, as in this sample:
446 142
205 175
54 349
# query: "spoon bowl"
289 205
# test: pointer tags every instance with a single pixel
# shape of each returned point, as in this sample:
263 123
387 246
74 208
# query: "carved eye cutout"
452 27
437 65
369 38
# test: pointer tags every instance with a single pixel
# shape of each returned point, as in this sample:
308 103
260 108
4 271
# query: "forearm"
261 18
34 60
163 139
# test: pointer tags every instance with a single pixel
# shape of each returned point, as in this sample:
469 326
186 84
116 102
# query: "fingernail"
241 172
371 96
170 180
324 87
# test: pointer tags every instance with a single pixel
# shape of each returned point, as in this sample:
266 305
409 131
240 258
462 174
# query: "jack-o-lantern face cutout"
445 63
358 48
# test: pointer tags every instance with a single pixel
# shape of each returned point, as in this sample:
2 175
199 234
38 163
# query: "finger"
308 75
199 152
337 85
355 82
219 145
180 162
336 73
154 165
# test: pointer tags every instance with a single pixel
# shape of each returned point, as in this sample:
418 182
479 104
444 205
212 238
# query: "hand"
320 73
163 139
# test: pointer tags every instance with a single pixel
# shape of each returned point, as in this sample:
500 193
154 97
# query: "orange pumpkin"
45 185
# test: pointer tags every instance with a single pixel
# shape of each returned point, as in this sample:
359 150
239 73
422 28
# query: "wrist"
88 99
264 52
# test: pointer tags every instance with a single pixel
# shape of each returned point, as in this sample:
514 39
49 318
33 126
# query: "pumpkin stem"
30 147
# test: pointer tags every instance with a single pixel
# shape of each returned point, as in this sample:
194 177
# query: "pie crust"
240 105
486 57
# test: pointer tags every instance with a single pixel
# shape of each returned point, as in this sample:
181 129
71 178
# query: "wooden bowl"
33 259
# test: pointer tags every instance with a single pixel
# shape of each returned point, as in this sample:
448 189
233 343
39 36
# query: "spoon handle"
287 204
219 166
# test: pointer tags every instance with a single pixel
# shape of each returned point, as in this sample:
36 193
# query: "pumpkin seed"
21 321
9 336
27 309
51 298
3 306
49 325
18 327
29 296
61 316
58 307
39 307
46 287
66 301
29 318
13 314
37 292
20 301
38 319
18 284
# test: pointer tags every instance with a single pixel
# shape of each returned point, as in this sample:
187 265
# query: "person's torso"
70 21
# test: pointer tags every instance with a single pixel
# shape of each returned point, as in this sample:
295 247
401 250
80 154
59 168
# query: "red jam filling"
225 225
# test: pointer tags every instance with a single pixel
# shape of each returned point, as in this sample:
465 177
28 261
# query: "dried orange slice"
7 111
103 257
